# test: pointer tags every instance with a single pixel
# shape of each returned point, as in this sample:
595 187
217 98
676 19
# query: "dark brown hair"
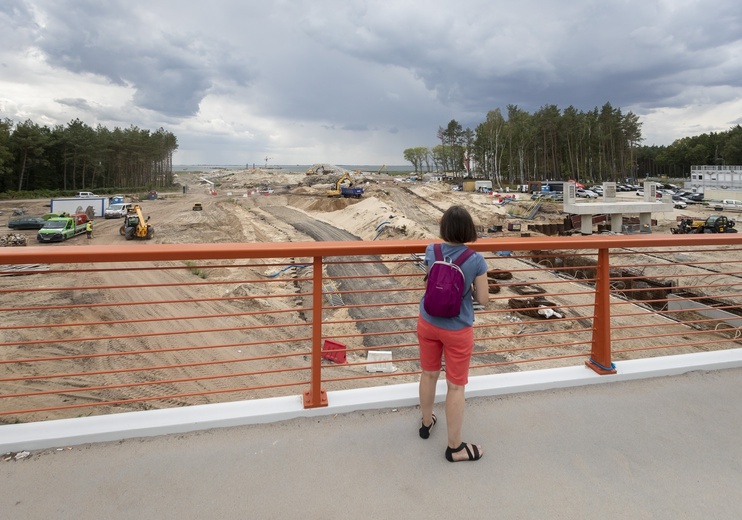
457 226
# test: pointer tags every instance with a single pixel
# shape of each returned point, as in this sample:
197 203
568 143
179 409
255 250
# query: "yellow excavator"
318 169
345 191
135 226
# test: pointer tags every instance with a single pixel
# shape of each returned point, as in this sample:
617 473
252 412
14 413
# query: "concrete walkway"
658 448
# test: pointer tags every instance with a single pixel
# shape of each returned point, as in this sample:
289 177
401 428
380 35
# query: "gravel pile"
13 240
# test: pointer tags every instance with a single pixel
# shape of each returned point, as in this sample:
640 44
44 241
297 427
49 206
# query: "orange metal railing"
93 330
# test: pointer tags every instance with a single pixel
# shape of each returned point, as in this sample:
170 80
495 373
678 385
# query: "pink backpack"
446 285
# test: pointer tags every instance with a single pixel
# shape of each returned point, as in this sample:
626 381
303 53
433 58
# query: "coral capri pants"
455 345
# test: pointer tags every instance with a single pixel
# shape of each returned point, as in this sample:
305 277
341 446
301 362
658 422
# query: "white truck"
118 210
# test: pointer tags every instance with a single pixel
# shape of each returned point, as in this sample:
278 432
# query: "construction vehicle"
713 224
135 226
319 169
58 229
117 210
345 191
382 169
349 191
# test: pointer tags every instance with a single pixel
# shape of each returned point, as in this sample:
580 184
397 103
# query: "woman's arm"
481 289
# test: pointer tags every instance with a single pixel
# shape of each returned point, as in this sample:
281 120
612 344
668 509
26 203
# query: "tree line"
78 157
552 144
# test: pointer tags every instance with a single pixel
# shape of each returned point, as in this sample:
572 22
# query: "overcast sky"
356 81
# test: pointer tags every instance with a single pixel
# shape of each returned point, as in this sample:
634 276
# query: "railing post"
316 396
600 356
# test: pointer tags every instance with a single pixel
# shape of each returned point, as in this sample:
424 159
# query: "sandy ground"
412 209
265 206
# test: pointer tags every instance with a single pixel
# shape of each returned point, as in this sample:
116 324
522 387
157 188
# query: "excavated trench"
627 283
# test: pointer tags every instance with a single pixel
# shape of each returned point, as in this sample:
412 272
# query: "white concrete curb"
69 432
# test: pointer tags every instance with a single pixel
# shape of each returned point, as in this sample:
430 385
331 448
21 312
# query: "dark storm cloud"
329 76
580 54
78 103
118 116
169 74
16 10
17 25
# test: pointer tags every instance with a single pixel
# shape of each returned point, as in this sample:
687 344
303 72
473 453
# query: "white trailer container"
99 205
482 185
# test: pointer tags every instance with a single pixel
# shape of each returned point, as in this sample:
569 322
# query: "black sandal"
472 456
425 430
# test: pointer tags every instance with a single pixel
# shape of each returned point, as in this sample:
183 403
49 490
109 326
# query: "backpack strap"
463 257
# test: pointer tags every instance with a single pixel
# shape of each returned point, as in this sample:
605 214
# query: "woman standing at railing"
451 338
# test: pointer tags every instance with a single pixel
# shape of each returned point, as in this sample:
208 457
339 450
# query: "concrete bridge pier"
645 222
617 222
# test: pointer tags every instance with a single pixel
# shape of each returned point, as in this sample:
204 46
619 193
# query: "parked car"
728 204
86 195
27 223
690 197
679 204
588 194
695 197
640 193
549 196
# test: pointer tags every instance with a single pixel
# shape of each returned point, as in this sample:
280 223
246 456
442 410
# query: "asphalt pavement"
658 448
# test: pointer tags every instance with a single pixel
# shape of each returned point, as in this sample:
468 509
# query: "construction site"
270 206
250 205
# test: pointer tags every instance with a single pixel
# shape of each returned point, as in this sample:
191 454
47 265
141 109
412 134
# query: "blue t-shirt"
473 267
